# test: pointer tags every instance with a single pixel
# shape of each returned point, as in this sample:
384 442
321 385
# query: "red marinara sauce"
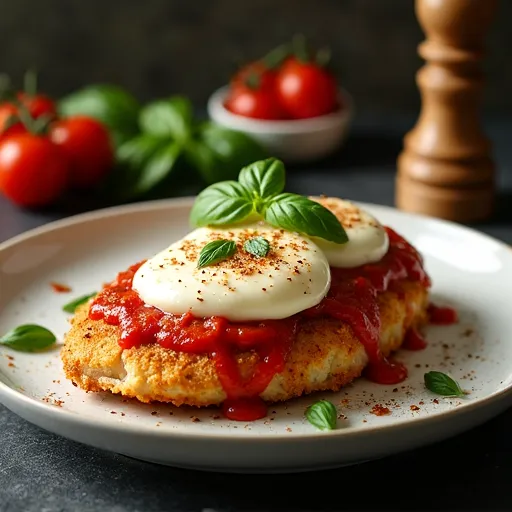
352 299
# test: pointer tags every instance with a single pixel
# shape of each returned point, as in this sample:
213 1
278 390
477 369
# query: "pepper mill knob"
446 169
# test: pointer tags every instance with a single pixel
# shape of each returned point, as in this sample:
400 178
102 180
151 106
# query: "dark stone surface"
171 46
42 472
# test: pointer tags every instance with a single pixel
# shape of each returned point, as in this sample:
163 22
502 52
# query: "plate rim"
75 419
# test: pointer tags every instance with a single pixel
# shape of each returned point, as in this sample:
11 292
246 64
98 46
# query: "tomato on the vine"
86 142
7 112
38 104
33 170
256 71
306 89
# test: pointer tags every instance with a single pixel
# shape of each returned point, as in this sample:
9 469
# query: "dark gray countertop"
42 472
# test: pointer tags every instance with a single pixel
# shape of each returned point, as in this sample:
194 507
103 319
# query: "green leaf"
442 384
168 118
322 415
298 213
224 152
226 202
28 338
258 246
111 105
264 178
216 251
70 307
156 168
133 158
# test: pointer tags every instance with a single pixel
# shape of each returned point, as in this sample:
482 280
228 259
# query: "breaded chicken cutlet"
326 355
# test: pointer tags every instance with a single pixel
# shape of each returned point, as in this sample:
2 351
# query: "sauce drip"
442 315
414 340
352 299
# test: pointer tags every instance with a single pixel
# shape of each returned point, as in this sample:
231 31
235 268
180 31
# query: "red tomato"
255 71
7 110
38 105
33 170
87 144
306 89
255 103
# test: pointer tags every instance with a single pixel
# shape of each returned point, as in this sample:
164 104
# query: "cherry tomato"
7 110
305 89
87 144
38 105
33 170
255 71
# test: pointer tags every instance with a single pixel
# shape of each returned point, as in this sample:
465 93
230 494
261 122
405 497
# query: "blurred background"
156 47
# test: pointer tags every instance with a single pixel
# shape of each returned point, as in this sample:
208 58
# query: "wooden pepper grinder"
445 169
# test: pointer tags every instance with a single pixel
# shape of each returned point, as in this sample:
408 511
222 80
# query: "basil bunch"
259 192
161 148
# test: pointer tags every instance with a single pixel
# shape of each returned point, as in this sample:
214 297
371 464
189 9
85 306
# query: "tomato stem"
300 49
253 80
30 82
274 58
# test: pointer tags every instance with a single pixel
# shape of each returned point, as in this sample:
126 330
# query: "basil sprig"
28 338
442 384
216 251
70 307
322 415
257 246
258 191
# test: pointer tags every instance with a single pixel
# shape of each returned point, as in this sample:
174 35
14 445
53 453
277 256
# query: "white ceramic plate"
470 271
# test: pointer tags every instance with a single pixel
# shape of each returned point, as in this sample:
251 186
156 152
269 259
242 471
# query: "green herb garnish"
216 251
258 191
322 415
70 307
442 384
257 246
28 338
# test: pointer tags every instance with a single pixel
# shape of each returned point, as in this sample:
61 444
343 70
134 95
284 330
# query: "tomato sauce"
352 299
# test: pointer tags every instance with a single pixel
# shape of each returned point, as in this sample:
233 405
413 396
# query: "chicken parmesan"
268 314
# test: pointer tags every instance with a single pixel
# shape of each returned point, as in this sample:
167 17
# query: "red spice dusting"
10 357
11 365
414 408
380 410
60 288
352 299
435 400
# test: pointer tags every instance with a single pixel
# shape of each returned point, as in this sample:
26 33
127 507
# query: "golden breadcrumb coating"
326 355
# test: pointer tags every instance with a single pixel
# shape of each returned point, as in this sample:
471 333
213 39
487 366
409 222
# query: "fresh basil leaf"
204 160
167 118
322 415
133 156
225 202
225 152
111 105
257 246
216 251
157 168
28 338
442 384
298 213
265 178
70 307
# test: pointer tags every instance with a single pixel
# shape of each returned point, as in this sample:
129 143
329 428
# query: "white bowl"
296 140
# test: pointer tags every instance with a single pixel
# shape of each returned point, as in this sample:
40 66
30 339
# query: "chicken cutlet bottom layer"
326 355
